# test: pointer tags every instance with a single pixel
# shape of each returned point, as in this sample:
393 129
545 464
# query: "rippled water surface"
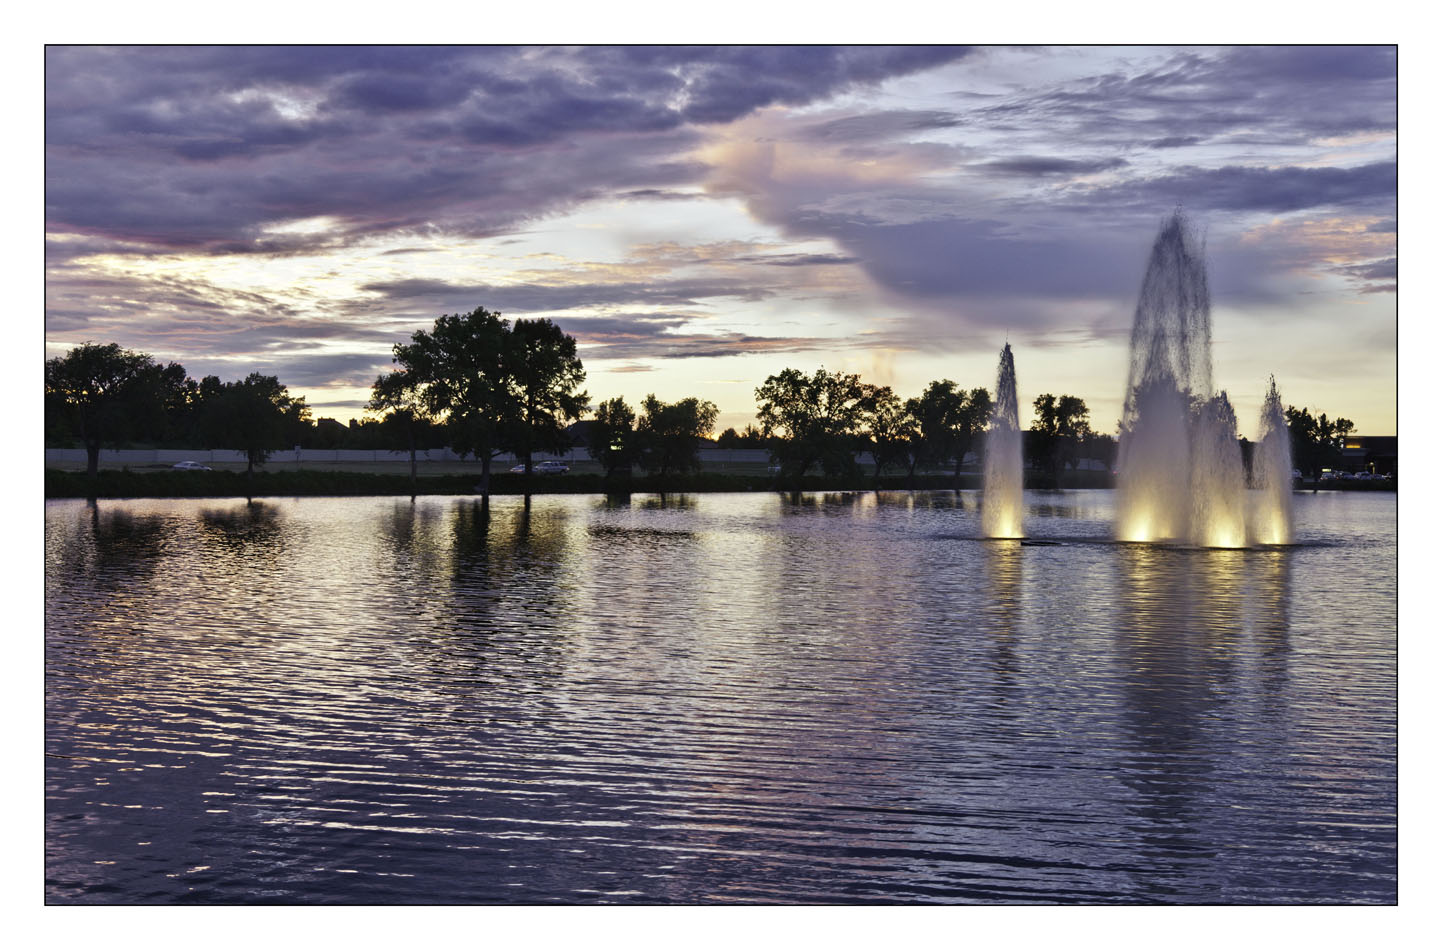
713 698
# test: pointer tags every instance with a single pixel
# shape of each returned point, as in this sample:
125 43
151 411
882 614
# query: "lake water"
713 699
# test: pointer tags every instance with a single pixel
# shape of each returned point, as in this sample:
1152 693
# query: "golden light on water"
1226 536
1137 525
1139 530
1001 516
1007 526
1273 531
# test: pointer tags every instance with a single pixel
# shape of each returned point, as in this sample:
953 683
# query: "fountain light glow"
1219 480
1001 503
1272 474
1180 470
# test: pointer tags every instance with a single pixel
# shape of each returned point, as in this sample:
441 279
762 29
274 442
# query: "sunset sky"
700 218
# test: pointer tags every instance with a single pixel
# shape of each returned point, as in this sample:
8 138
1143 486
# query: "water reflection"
1162 647
851 699
674 502
117 547
1183 618
1002 562
249 528
505 596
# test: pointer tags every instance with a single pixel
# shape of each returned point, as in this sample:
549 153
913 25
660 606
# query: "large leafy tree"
462 367
546 377
670 434
401 398
1062 426
817 419
105 395
937 411
1316 441
256 415
949 422
971 424
611 437
891 429
497 386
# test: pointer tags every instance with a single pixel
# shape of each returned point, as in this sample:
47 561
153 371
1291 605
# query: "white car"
548 467
191 467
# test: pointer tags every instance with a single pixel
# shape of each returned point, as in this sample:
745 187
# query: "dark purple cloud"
1372 277
882 125
634 336
1036 166
1240 188
1176 141
1261 94
549 298
197 147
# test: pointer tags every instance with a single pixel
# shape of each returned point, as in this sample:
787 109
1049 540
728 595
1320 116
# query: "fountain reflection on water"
1181 477
1001 509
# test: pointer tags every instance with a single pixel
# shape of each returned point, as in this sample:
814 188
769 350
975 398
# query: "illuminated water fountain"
1272 475
1180 472
1219 479
1001 506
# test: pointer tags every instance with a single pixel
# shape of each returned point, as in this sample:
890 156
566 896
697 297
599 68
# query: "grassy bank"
283 483
224 484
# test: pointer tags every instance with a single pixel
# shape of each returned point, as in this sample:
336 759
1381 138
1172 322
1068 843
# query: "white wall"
114 458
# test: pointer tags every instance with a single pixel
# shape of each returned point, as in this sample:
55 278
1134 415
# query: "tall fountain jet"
1272 474
1180 474
1001 508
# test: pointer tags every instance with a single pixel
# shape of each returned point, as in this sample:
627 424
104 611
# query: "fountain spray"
1272 474
1001 506
1180 473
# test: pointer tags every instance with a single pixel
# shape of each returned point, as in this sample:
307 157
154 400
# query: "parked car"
191 467
548 467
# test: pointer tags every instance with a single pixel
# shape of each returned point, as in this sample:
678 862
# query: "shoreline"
268 484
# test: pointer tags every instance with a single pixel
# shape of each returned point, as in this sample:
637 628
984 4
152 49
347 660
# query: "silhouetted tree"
949 423
255 415
817 419
497 386
936 411
890 428
104 394
612 437
971 424
1060 428
749 438
546 376
1318 441
669 434
401 397
464 368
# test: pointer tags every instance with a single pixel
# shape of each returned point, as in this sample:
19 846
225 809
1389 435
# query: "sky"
700 218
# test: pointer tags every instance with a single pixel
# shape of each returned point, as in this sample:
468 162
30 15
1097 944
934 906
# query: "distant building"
1370 453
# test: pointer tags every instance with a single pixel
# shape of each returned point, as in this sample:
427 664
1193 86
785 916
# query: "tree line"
101 394
486 386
